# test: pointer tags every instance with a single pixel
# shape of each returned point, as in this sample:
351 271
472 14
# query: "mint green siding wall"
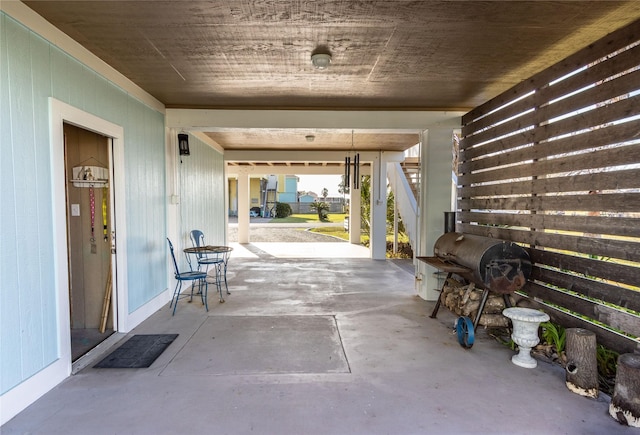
146 204
202 204
31 71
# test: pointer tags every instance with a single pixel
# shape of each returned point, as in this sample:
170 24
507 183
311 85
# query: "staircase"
270 198
411 169
403 179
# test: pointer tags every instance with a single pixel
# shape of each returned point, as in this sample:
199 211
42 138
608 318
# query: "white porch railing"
405 201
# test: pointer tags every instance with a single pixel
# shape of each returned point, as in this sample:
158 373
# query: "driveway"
260 230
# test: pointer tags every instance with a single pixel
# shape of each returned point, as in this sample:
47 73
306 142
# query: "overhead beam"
233 171
374 120
206 139
306 156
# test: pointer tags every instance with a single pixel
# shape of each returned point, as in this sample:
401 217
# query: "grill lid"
499 265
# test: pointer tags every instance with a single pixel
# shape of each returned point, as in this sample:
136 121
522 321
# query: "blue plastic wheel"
466 334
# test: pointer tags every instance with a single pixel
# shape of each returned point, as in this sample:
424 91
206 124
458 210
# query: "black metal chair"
225 260
191 275
204 259
217 259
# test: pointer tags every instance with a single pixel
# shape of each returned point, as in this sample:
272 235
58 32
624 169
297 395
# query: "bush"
322 208
283 210
404 250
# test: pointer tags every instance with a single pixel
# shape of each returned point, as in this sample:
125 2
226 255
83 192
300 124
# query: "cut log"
493 321
454 283
467 293
447 289
450 301
494 305
625 406
582 363
475 295
470 308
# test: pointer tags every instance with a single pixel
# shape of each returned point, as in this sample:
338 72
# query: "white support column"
243 207
395 226
379 208
354 216
226 205
436 159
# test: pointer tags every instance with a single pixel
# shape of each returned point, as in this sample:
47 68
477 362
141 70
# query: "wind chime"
356 168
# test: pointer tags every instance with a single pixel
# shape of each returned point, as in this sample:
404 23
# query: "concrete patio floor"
316 346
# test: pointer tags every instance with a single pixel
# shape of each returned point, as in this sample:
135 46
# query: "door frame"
63 113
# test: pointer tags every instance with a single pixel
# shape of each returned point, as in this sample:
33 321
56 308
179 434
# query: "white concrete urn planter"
526 322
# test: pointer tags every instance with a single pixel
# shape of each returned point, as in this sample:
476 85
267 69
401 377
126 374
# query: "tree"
391 200
365 202
342 187
321 208
325 193
365 207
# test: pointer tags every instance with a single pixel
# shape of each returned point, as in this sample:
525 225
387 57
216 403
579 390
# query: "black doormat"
139 351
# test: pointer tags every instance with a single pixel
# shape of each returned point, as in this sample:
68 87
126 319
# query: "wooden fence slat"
617 319
613 318
518 107
591 138
614 203
598 94
596 118
613 180
594 74
605 337
605 248
597 50
622 62
609 135
587 266
618 156
612 294
615 226
616 87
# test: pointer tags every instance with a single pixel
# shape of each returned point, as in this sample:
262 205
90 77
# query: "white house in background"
307 197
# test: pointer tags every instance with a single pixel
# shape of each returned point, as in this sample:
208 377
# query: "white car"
253 213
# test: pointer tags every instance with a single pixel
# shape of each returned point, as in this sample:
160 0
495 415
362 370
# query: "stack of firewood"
464 300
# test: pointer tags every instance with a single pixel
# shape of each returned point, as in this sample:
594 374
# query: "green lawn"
340 232
337 231
304 218
332 231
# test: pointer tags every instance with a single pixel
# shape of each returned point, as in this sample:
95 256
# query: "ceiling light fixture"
321 60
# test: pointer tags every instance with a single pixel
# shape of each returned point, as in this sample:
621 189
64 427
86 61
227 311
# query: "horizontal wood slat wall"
554 165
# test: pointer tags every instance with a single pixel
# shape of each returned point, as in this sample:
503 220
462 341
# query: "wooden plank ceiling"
386 55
